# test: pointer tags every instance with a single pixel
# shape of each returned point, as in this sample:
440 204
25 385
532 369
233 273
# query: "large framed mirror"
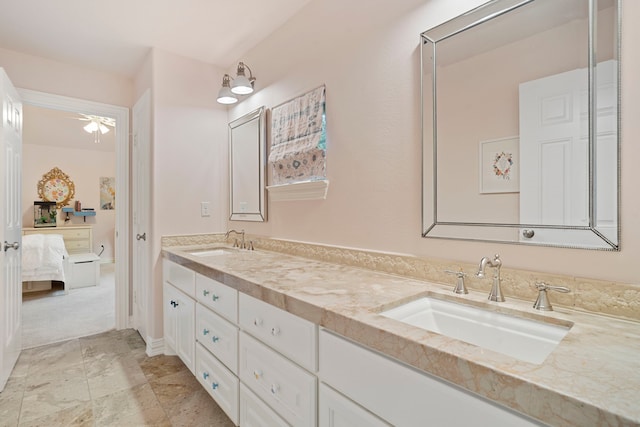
521 124
247 145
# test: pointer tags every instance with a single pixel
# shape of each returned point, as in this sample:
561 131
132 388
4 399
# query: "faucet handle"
542 302
460 287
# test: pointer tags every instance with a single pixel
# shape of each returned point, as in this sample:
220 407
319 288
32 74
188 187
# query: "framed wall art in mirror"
521 124
56 186
247 145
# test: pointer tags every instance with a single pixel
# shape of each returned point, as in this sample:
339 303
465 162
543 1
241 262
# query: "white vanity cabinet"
216 334
278 360
399 394
221 384
336 410
179 311
179 321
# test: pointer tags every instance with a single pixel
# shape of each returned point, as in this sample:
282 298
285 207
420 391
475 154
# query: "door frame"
121 116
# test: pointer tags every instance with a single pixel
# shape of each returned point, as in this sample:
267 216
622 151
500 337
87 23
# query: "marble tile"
11 401
110 373
171 390
76 416
186 402
198 409
161 366
98 345
51 391
54 356
134 407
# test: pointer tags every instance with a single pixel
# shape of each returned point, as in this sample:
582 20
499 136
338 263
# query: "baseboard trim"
155 347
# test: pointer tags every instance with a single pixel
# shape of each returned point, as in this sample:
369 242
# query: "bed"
43 260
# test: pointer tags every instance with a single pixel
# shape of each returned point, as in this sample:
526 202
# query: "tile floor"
105 380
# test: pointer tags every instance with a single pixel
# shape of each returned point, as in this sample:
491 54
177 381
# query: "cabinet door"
335 410
255 413
169 313
185 329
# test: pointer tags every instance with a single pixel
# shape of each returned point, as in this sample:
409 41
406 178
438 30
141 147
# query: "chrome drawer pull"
215 297
274 388
214 385
205 375
205 331
205 292
257 374
257 322
275 331
214 338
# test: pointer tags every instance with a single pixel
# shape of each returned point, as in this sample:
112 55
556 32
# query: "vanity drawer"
283 385
294 337
179 276
255 413
219 382
218 297
401 395
218 335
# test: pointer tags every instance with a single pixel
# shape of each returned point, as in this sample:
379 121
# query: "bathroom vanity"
303 342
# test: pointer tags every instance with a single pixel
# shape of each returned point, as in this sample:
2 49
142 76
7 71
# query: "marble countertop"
591 378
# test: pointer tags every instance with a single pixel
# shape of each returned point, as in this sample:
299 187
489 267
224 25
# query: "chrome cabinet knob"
142 236
527 233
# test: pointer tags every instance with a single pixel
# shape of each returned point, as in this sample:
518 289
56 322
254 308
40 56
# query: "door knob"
142 236
14 245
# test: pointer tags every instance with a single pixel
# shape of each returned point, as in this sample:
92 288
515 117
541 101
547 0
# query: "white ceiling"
116 35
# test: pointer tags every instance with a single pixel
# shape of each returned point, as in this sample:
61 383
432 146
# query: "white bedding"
43 257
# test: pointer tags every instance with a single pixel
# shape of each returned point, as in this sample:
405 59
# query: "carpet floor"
53 316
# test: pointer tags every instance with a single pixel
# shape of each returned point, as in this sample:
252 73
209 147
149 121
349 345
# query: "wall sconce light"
241 85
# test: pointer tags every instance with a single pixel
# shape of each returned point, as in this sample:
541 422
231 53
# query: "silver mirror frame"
580 237
236 165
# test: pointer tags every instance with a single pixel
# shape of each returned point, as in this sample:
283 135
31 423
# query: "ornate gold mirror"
56 186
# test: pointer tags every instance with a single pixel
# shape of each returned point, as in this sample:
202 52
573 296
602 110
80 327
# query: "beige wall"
189 156
367 55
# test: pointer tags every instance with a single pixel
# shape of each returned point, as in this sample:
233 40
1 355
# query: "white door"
10 228
554 153
141 200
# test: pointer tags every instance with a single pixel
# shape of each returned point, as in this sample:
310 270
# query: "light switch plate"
204 209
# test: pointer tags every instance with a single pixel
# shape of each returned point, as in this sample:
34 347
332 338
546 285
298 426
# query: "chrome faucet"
496 291
241 245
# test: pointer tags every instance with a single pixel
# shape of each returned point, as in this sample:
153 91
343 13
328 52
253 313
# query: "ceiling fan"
97 125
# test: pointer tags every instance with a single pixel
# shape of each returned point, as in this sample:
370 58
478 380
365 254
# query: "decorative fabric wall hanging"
298 139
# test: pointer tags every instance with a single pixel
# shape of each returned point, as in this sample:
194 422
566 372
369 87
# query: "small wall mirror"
247 145
521 124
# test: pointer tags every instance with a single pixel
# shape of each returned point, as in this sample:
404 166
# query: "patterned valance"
298 139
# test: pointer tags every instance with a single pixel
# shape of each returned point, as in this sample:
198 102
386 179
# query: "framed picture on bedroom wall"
107 193
499 162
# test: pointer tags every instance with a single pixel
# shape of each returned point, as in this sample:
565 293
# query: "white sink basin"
213 252
524 339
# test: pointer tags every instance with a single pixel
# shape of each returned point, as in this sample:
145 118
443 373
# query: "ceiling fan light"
91 127
103 129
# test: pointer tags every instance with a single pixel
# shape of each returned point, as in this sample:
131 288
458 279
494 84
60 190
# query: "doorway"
120 115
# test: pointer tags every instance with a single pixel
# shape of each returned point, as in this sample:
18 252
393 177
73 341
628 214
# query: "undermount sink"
213 252
525 339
